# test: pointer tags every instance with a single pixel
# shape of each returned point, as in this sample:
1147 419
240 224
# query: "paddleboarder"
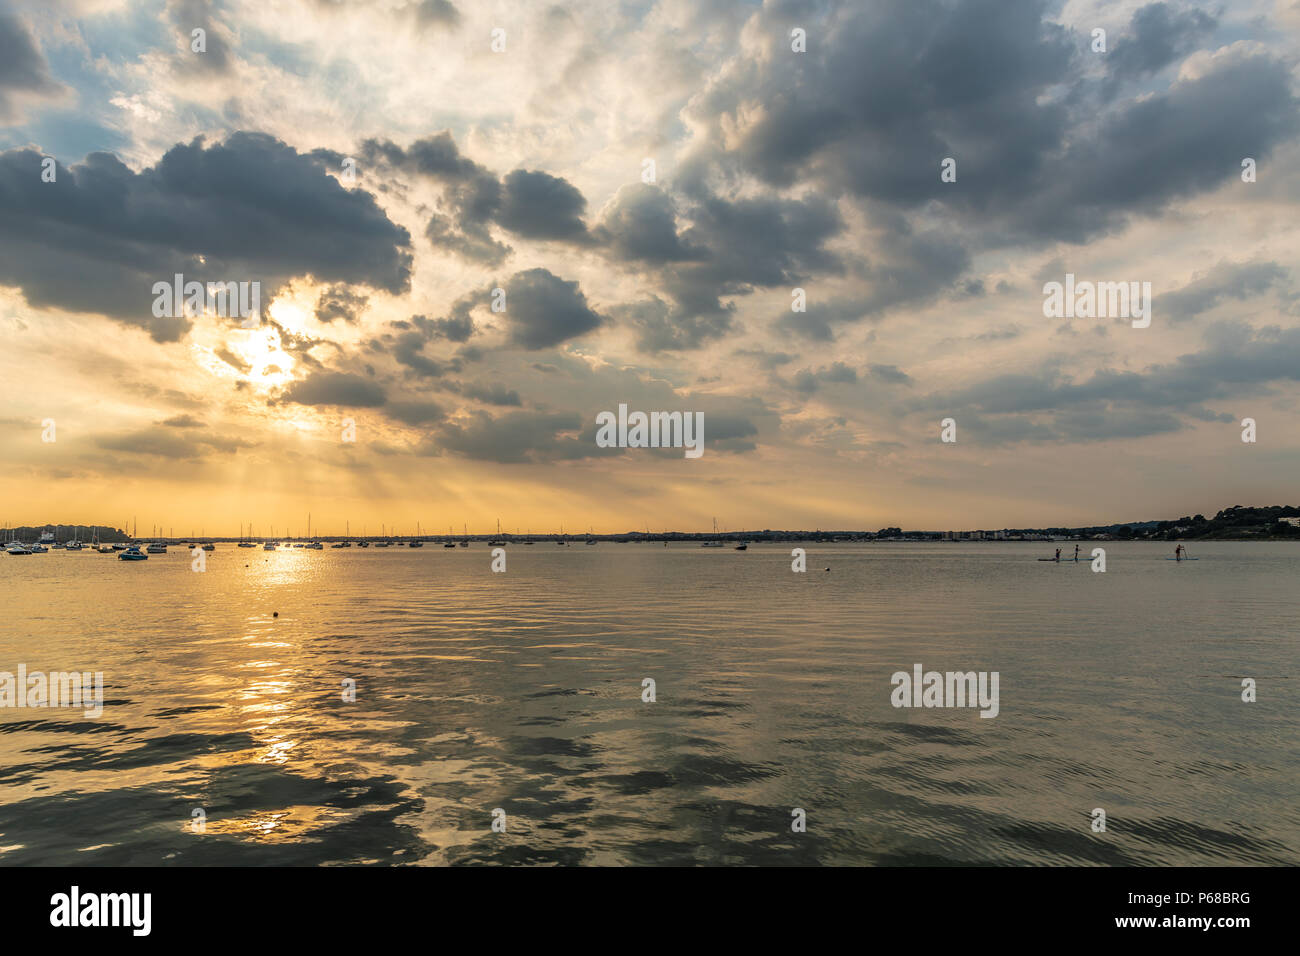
1058 555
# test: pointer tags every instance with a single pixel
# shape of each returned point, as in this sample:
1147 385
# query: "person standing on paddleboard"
1058 555
1076 552
1178 553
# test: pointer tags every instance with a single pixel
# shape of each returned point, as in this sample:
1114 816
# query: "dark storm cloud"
99 237
471 193
1159 34
1227 280
340 302
731 248
408 350
765 242
1236 362
458 328
540 206
333 388
641 225
661 326
22 67
543 310
909 268
531 204
406 344
887 90
1187 140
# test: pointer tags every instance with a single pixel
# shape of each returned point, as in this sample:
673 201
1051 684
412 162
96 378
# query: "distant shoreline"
1270 523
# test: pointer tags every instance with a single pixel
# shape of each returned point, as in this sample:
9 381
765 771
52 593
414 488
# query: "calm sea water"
522 691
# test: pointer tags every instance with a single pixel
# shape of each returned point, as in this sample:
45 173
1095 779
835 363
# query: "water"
522 691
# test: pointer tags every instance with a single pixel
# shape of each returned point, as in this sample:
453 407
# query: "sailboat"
498 541
464 542
716 542
245 543
418 540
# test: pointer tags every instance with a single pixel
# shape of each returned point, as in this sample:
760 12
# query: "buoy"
275 614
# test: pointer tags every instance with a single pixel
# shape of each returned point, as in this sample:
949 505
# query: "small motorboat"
132 553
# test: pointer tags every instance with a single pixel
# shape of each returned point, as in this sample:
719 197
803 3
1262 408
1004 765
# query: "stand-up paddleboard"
1167 559
1054 561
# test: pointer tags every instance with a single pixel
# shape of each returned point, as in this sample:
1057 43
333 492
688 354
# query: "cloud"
492 394
1160 34
333 388
24 73
1227 280
183 421
537 205
340 302
531 204
169 444
891 374
891 89
640 225
436 13
1235 362
543 310
415 413
808 381
189 15
247 209
516 437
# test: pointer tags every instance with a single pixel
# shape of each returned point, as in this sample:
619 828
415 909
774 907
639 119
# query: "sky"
476 226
